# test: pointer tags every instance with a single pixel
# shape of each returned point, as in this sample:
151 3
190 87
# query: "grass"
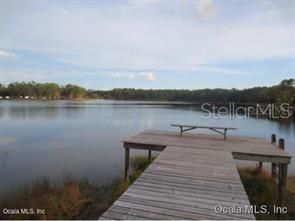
261 190
70 200
84 200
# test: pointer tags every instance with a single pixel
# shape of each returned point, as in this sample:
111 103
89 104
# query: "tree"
73 91
2 90
284 92
288 83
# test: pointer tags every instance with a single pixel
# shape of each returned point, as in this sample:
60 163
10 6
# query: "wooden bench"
220 130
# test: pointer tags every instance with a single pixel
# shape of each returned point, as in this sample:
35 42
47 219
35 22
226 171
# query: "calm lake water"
82 139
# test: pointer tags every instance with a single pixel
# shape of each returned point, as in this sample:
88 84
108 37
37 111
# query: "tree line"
284 92
33 90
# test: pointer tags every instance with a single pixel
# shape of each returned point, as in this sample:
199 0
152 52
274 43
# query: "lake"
82 139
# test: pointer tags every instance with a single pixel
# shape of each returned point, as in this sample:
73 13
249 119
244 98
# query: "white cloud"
148 76
152 35
206 8
6 54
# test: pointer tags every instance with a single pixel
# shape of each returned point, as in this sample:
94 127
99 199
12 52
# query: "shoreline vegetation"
80 199
72 199
281 93
262 190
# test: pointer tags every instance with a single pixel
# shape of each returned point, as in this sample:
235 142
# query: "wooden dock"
194 176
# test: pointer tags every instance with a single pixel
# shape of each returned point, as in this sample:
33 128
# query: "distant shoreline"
277 94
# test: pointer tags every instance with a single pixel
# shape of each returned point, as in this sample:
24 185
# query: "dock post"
273 139
260 166
273 165
150 155
283 170
127 153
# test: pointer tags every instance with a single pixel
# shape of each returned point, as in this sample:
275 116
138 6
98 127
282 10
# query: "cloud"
148 76
206 8
6 54
150 35
130 38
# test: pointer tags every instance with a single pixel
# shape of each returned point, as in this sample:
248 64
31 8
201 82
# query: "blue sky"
148 43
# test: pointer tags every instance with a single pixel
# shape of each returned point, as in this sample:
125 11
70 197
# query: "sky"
177 44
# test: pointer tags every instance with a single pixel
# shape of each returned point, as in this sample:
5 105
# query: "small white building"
7 97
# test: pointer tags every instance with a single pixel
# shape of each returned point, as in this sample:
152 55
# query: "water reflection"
83 138
3 156
39 110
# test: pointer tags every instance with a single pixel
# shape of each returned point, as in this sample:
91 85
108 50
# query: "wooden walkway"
192 176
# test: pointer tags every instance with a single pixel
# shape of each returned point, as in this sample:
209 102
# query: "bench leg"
181 131
150 156
225 130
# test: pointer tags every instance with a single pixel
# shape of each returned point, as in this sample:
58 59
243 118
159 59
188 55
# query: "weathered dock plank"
246 147
192 175
185 195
